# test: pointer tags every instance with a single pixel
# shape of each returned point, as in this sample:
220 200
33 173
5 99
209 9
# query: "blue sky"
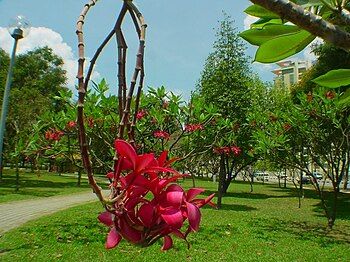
180 35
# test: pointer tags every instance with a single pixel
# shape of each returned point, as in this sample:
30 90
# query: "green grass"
36 185
265 225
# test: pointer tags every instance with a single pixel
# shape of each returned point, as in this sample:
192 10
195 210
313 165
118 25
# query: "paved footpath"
15 214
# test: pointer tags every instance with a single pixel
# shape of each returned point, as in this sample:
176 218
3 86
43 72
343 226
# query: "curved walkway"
15 214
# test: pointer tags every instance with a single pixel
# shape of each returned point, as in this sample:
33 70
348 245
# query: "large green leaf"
258 11
283 46
345 98
265 21
268 32
334 78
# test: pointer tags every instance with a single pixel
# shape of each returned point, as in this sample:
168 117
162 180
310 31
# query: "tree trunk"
79 177
222 174
347 170
17 177
251 182
193 180
227 183
279 181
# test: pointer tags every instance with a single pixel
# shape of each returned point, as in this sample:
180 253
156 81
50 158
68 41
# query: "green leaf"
258 11
266 21
268 32
308 3
334 78
282 47
344 100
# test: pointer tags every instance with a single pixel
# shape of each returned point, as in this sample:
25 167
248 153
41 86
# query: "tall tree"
37 79
228 83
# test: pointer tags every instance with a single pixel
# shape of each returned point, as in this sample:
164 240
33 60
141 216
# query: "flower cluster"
71 125
161 134
227 150
193 127
147 204
330 95
53 135
141 114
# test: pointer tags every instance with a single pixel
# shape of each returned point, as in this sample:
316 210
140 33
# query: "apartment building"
290 72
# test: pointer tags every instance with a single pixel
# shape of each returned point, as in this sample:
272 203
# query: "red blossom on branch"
161 134
236 150
143 220
71 124
330 95
227 150
141 114
193 127
53 135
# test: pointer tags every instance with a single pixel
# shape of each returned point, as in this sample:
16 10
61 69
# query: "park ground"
265 225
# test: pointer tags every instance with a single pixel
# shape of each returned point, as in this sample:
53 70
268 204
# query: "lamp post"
18 28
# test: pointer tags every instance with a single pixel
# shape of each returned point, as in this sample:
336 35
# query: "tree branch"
308 21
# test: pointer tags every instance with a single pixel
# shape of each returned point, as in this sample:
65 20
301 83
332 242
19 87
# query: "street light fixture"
18 28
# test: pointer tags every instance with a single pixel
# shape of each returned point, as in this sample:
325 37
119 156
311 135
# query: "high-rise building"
290 72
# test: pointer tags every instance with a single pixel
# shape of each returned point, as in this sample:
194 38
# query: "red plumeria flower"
161 134
141 114
71 125
193 127
330 95
227 150
143 220
236 150
53 135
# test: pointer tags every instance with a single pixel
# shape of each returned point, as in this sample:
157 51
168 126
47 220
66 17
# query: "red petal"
173 217
144 161
128 232
174 199
126 164
162 158
110 175
201 202
179 234
130 204
113 238
106 218
126 150
146 213
164 182
194 216
174 187
168 163
162 169
168 243
193 192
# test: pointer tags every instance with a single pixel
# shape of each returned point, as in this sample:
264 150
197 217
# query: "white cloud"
248 20
40 37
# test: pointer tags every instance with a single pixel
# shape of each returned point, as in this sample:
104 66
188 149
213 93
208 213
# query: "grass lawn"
41 184
265 225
